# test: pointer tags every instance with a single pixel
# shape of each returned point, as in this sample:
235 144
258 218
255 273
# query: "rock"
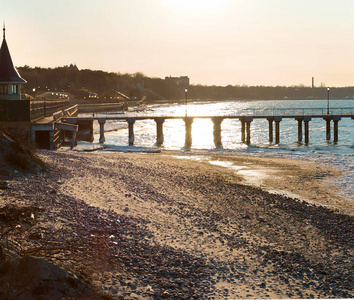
149 289
36 236
4 185
43 280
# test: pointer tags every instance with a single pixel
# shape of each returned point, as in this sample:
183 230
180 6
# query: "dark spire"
4 30
8 72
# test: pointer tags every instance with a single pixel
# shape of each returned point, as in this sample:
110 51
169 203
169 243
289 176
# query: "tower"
10 79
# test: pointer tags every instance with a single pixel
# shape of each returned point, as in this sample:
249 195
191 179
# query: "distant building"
10 79
182 81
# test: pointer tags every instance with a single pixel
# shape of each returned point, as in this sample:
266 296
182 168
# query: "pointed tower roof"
8 72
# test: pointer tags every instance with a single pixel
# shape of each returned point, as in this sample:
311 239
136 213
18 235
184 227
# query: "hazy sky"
221 42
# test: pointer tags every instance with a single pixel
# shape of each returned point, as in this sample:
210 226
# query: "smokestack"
313 82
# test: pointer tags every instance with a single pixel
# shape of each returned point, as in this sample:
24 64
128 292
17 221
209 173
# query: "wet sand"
200 231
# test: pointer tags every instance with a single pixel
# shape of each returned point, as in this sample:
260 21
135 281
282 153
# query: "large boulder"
16 158
35 278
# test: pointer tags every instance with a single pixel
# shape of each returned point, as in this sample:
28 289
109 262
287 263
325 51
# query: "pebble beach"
161 227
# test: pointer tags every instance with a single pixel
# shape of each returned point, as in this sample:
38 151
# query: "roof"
8 73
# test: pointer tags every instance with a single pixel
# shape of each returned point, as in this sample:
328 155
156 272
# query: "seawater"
340 155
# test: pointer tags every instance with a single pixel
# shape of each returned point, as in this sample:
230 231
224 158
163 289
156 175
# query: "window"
3 88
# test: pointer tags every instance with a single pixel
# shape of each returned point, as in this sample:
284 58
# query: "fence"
46 108
29 110
297 111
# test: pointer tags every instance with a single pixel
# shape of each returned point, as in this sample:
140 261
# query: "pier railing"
297 111
26 110
257 113
46 108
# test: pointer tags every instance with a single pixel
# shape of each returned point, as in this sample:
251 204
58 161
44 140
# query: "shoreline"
292 178
308 181
183 229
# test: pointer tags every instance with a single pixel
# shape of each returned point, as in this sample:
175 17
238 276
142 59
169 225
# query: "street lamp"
185 93
328 101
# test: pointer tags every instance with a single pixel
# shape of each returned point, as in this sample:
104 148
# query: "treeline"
82 83
270 92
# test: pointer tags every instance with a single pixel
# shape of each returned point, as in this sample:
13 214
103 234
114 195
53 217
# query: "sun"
196 6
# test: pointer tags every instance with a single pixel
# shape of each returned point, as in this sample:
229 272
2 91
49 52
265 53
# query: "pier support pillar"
159 131
299 129
243 129
51 140
102 122
306 124
248 121
270 121
277 129
188 140
328 127
217 131
131 122
336 119
85 132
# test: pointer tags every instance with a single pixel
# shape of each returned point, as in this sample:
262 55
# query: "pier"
274 118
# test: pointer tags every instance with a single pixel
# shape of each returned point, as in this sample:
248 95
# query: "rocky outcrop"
16 158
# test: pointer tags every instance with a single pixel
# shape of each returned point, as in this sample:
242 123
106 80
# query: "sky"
213 42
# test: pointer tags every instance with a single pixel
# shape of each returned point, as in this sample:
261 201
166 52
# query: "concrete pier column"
248 121
306 124
270 121
131 122
243 130
102 122
73 140
299 129
277 129
328 127
85 132
217 131
159 131
188 140
336 119
51 140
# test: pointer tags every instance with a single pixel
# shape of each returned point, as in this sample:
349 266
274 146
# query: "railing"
297 111
46 108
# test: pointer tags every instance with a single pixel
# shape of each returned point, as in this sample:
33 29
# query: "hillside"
90 85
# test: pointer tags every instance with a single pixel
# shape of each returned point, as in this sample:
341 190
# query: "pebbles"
194 235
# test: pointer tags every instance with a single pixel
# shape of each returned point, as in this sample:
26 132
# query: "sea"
339 155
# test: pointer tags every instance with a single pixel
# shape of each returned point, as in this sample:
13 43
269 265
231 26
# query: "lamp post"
185 93
328 101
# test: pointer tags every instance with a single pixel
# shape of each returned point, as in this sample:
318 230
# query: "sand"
183 229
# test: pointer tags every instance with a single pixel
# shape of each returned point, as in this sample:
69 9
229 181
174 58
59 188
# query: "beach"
170 228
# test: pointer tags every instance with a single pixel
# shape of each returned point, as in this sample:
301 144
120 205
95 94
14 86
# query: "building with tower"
39 120
10 79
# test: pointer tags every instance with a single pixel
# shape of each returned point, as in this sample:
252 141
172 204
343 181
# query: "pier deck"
274 117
